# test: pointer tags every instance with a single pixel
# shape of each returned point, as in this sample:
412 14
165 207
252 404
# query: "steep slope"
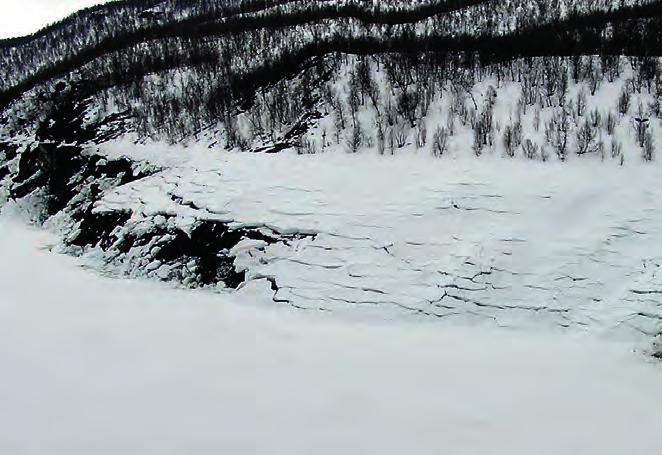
545 116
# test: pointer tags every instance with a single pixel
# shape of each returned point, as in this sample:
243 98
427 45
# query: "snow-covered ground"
105 366
510 242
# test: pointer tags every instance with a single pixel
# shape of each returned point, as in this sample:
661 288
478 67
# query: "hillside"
333 227
471 160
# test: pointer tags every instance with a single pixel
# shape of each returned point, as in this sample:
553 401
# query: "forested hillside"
270 64
165 139
333 226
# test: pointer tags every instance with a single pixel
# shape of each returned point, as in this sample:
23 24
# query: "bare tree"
421 134
616 148
530 149
400 134
641 127
356 139
381 136
649 147
594 77
586 139
556 133
580 104
408 106
610 123
440 141
512 138
536 120
595 118
624 101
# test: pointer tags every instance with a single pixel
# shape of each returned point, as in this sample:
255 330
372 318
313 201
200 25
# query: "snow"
491 240
105 366
458 305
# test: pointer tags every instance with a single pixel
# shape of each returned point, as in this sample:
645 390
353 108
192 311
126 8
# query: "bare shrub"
530 149
512 138
624 101
356 139
440 141
586 139
610 123
616 148
649 147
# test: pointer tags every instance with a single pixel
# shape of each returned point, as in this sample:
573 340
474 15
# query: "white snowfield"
511 243
92 365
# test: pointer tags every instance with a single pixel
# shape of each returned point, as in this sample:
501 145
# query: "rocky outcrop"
69 173
197 255
65 172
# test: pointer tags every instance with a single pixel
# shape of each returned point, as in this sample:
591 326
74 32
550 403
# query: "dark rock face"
70 177
57 162
8 151
4 172
67 122
65 171
657 347
199 257
302 126
73 180
95 229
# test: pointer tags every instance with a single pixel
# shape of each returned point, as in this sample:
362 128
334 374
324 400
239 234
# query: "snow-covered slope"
517 243
104 366
554 229
352 227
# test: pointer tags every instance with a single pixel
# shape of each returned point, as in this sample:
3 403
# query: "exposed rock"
657 347
8 151
95 229
65 171
199 257
71 177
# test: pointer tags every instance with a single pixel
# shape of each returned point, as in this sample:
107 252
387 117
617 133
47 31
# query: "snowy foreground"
93 365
